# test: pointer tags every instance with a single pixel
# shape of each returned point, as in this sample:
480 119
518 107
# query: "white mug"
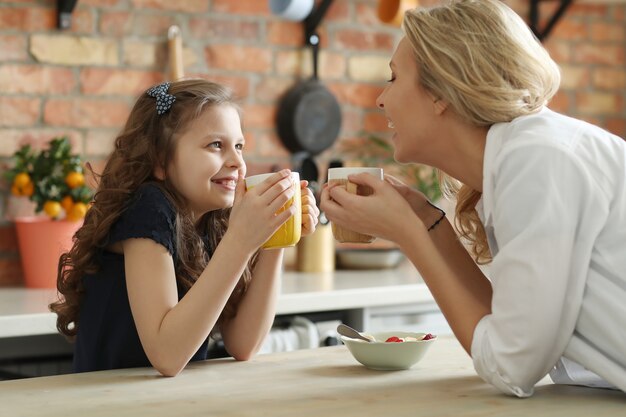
296 10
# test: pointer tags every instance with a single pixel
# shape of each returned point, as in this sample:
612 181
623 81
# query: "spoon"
348 331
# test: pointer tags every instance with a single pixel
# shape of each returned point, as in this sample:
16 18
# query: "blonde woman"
541 198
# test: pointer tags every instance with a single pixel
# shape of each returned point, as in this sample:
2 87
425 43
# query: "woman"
540 196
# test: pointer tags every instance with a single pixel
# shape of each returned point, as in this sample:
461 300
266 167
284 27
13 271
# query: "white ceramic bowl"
388 356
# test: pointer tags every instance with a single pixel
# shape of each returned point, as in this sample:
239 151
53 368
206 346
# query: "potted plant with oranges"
53 179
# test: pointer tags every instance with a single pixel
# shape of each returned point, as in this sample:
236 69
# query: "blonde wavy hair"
480 57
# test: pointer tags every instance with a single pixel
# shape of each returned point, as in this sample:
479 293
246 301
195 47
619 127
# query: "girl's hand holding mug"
310 212
256 213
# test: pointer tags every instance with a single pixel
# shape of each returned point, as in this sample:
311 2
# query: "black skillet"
308 117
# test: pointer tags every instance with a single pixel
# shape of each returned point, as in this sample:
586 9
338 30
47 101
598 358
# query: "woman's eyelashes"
392 79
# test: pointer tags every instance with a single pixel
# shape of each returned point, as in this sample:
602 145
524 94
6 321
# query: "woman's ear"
440 106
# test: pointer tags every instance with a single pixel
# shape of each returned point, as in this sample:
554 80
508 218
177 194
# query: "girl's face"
208 159
410 109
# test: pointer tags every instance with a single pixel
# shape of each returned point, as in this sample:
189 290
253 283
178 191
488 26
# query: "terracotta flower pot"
41 242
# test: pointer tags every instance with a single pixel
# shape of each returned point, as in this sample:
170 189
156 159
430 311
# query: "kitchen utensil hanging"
309 117
175 52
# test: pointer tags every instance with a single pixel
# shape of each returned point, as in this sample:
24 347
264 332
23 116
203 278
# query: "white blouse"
554 209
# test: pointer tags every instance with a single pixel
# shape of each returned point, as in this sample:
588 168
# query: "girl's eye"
392 79
215 145
239 146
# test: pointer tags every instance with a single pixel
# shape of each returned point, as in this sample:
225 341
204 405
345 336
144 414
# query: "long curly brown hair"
147 142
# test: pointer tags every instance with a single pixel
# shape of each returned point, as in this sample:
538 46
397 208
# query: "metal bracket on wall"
64 13
534 18
313 20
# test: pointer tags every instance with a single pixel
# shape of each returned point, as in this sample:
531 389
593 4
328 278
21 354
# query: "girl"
542 197
169 251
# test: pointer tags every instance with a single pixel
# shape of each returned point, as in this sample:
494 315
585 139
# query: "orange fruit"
28 189
74 179
21 180
77 211
67 202
52 208
15 190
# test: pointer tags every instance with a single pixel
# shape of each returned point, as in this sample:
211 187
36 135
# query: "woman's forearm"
459 287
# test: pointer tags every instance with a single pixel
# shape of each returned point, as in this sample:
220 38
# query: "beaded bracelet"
443 214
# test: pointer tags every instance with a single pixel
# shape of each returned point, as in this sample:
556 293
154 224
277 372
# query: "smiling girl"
169 251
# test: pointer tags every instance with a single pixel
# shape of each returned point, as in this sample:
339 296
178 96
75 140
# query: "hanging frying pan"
308 117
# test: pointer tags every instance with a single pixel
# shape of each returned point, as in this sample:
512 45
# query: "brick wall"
81 82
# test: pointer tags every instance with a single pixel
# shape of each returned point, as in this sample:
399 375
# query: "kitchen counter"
24 312
324 381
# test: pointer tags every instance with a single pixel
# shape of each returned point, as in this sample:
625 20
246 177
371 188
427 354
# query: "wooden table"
318 382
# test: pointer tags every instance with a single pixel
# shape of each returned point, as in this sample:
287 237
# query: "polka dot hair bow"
163 100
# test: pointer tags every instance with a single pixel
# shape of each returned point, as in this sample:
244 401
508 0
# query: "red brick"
11 273
102 81
561 102
587 10
570 29
99 142
242 7
102 3
360 95
151 25
13 48
250 146
36 79
601 31
339 11
239 58
260 116
609 78
619 13
269 90
192 6
351 122
574 77
285 33
204 28
116 23
598 103
616 126
267 144
366 14
375 121
38 138
599 54
240 85
363 40
19 111
560 51
80 112
28 19
83 21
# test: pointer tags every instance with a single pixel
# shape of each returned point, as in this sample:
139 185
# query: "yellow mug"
288 234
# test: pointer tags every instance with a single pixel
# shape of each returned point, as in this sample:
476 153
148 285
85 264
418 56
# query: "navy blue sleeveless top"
107 337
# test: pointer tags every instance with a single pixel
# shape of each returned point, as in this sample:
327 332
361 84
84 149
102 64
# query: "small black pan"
309 117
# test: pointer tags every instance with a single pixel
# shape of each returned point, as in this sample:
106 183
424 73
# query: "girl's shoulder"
149 214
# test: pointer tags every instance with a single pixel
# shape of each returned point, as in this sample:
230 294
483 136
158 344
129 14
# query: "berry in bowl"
389 351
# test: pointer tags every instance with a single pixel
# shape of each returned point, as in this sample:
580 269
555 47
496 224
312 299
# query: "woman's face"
208 159
409 108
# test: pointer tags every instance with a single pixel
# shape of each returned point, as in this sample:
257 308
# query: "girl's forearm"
186 326
244 334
